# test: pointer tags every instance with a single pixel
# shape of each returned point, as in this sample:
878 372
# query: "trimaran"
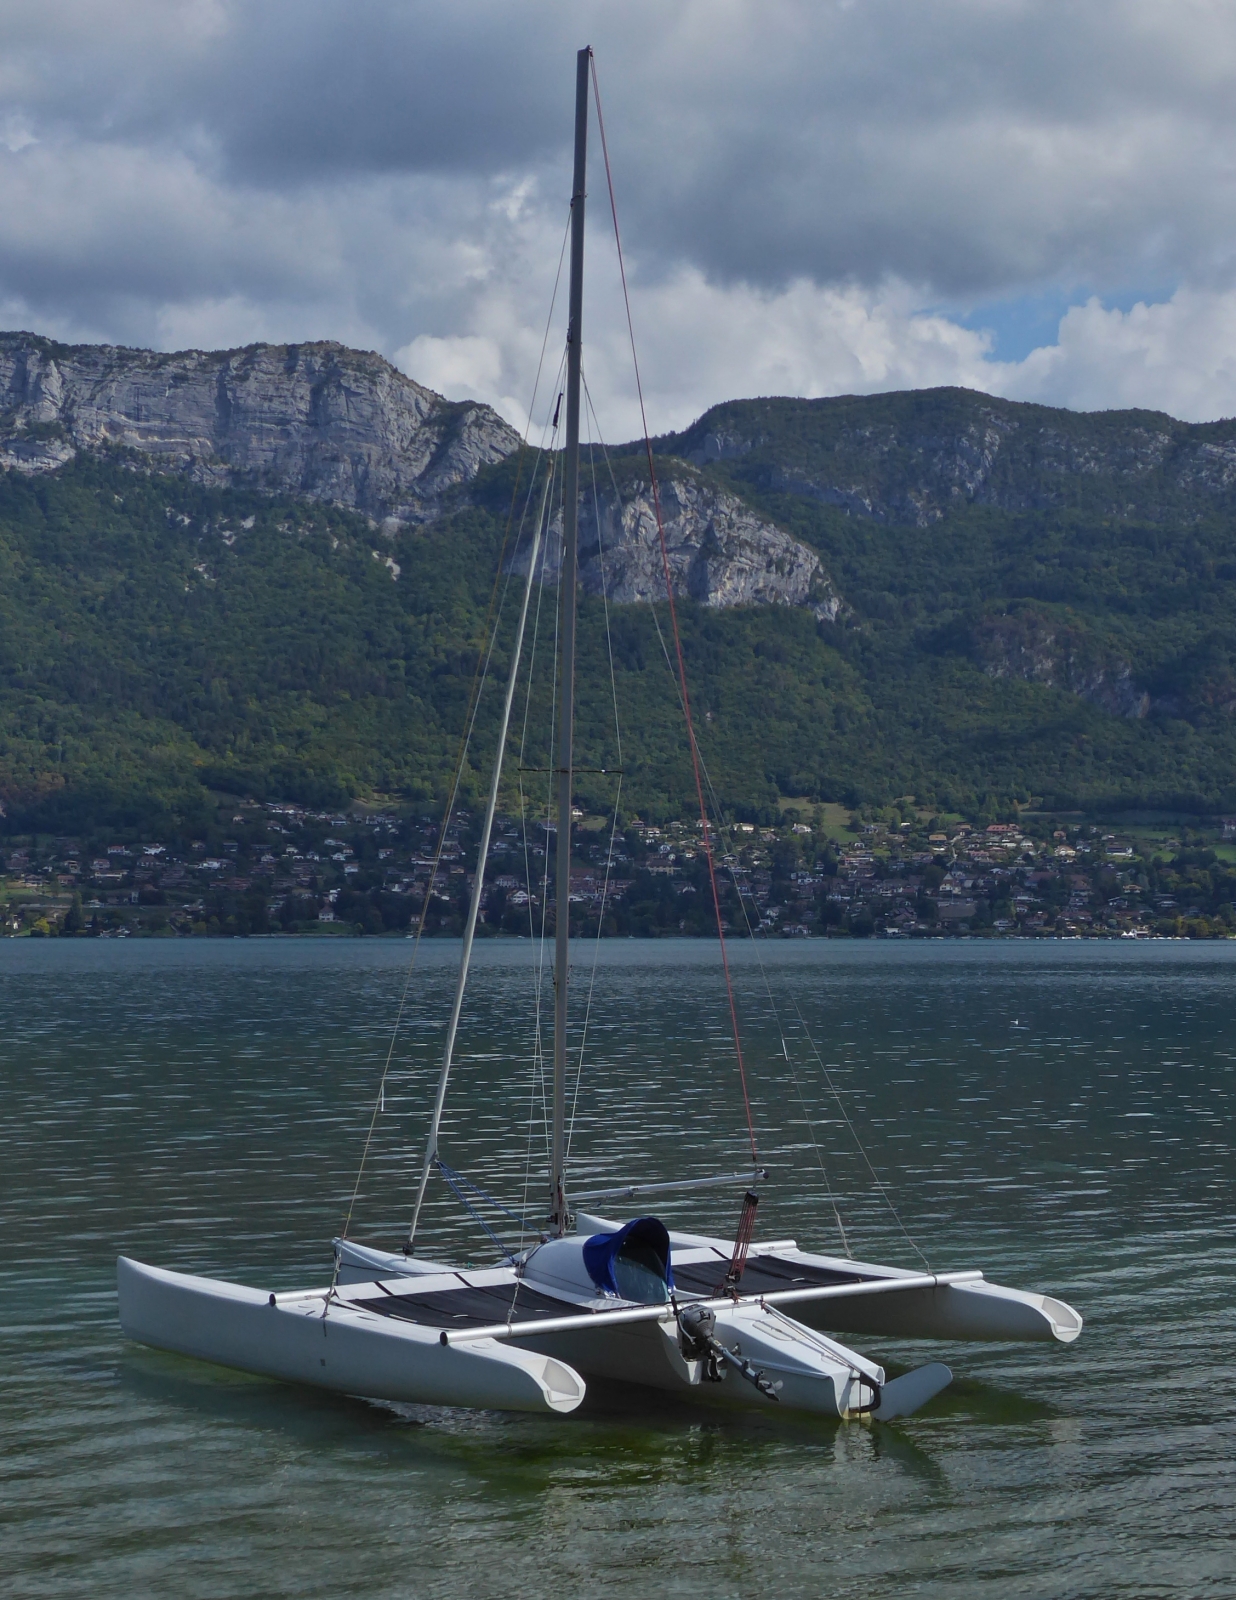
737 1323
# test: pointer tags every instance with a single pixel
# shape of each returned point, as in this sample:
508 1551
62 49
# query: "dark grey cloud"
395 173
972 146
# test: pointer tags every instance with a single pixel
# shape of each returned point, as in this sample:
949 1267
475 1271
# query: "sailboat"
620 1300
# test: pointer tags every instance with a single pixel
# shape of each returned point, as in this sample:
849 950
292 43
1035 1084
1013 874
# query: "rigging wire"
802 1022
723 829
501 564
480 673
613 832
682 668
696 756
538 1045
380 1101
483 851
541 942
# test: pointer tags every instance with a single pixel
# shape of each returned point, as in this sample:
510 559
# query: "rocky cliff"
344 426
316 420
1037 647
157 647
721 553
915 457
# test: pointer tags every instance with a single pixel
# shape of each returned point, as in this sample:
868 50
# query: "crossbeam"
630 1191
667 1313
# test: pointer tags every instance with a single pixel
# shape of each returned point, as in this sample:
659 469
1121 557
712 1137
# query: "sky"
1035 198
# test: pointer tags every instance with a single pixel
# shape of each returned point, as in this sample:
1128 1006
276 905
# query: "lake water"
1060 1115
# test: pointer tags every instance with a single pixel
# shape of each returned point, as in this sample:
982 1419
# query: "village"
275 868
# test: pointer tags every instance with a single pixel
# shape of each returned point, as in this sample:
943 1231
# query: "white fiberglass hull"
349 1351
970 1311
355 1351
806 1371
396 1329
978 1311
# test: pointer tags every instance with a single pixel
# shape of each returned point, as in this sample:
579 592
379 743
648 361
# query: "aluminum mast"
558 1215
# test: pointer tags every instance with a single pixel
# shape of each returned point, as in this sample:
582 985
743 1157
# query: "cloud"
1177 356
467 365
815 197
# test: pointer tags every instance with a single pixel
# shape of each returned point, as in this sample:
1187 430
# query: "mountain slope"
158 638
936 594
916 457
1092 555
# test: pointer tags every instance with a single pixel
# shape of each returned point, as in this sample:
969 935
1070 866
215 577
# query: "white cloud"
721 341
1177 356
701 343
465 366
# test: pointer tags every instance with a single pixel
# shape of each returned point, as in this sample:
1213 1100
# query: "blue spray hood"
644 1242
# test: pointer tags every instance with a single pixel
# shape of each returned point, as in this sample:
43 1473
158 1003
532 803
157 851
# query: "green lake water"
1060 1115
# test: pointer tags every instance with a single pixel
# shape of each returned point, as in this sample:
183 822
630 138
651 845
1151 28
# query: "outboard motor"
697 1339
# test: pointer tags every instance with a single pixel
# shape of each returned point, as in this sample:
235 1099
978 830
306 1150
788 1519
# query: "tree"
74 918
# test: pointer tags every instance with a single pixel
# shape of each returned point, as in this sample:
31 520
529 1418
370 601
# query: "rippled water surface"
1060 1115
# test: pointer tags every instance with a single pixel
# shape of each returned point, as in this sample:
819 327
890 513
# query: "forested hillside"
1021 603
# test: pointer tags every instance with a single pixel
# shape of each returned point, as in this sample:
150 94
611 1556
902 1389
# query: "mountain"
313 420
917 457
268 571
324 423
1088 554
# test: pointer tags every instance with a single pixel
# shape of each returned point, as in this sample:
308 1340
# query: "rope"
454 1181
833 1090
682 669
453 1175
723 829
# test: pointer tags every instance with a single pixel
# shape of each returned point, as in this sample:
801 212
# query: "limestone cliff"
317 420
344 426
721 553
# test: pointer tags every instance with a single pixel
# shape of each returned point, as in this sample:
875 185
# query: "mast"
566 698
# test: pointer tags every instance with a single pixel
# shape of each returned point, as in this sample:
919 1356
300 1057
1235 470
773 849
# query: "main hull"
804 1371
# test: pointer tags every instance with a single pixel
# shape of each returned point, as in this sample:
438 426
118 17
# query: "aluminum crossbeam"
667 1313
